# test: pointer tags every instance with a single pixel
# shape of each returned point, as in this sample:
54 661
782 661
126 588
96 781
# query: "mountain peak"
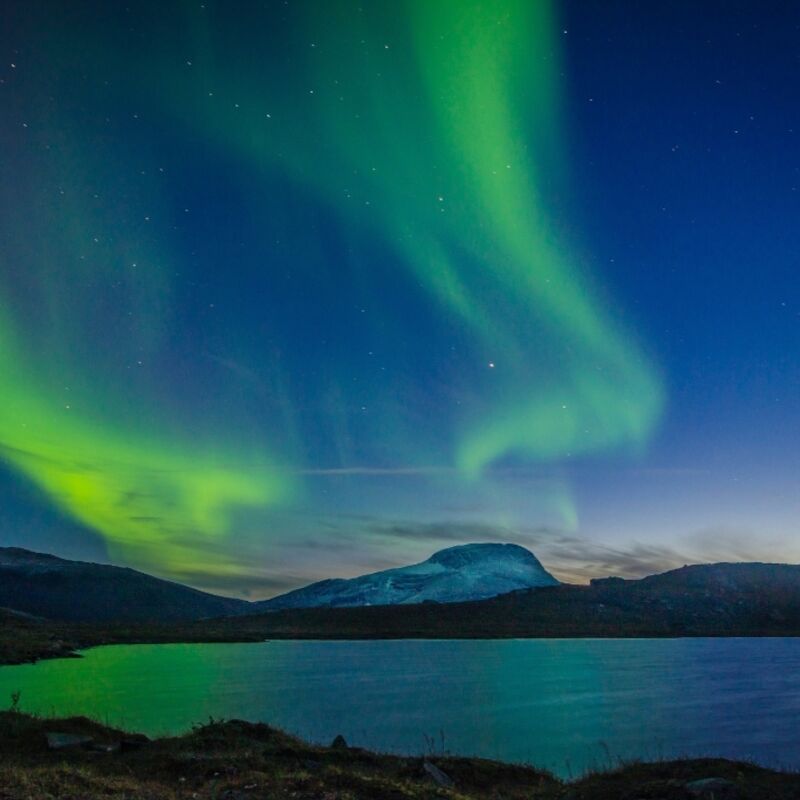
464 554
455 574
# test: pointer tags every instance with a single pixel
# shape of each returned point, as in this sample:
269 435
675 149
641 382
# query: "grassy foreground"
237 760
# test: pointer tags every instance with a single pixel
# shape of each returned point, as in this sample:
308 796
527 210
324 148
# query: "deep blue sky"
233 299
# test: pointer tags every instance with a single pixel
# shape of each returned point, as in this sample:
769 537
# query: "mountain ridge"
723 599
455 574
706 600
52 587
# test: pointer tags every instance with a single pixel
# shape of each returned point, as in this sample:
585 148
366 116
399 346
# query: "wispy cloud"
571 557
576 560
251 586
352 544
455 531
378 471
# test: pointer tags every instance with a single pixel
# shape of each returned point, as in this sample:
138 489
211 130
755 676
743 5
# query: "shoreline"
30 641
236 760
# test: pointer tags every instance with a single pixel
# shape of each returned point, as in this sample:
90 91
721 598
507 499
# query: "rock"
58 741
712 789
339 743
442 778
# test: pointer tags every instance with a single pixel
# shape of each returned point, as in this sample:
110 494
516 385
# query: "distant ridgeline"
480 590
77 591
55 588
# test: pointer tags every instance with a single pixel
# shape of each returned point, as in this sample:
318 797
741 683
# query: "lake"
562 704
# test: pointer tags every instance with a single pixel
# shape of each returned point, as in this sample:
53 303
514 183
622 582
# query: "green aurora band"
153 503
433 125
443 146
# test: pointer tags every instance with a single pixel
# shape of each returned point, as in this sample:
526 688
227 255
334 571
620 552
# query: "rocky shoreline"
236 760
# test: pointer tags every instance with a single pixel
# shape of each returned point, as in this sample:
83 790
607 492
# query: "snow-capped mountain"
466 572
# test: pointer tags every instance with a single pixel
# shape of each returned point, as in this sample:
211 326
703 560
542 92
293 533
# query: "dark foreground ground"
237 760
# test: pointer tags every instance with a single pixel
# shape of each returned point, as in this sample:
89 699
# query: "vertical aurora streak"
446 147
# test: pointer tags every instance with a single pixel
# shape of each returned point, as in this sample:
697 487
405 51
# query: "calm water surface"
561 704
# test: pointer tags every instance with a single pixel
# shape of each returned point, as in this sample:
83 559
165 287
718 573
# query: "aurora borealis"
295 289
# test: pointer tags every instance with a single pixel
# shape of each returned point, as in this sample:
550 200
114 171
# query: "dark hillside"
77 591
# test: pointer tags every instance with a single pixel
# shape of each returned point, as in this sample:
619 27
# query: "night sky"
291 290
